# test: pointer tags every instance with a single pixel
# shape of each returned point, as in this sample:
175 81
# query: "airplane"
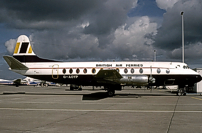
6 82
15 82
26 81
37 82
112 75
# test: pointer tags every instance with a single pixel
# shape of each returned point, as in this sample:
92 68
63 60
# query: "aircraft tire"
110 93
179 92
71 88
79 88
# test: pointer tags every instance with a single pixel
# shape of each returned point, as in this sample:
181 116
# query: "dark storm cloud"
103 16
169 34
69 43
45 14
38 10
109 16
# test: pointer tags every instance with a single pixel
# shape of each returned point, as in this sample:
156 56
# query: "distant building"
198 86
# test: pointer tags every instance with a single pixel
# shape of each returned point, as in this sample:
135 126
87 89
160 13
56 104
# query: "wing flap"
14 64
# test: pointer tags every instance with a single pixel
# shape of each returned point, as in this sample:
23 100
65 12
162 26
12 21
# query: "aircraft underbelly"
66 79
175 80
89 80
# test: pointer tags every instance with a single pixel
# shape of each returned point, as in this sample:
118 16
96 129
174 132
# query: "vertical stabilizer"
23 51
23 46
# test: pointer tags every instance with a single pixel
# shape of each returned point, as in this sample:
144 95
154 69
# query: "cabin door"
55 71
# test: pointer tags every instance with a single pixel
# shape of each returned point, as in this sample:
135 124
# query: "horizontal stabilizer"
14 64
108 74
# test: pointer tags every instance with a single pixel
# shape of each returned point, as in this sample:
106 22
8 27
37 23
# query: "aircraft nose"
198 78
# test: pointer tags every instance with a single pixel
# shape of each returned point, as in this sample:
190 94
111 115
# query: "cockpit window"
185 67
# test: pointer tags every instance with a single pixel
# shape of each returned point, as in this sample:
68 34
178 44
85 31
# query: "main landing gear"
110 92
111 89
73 86
182 91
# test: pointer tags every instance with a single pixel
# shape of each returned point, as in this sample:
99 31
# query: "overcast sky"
102 30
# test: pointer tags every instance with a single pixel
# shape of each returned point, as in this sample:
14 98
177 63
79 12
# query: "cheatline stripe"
98 68
86 110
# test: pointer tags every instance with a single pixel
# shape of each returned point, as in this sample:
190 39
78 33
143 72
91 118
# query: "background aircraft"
16 82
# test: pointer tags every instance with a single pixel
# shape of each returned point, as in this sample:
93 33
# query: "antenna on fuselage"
182 37
154 55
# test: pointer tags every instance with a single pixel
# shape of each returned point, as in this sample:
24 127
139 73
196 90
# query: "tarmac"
28 109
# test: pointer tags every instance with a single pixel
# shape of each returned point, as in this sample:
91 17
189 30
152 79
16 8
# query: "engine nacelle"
136 80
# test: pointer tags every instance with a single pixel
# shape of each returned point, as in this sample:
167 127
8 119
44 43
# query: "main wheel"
79 88
179 92
71 87
110 93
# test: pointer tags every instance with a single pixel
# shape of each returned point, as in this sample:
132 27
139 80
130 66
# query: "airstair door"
55 71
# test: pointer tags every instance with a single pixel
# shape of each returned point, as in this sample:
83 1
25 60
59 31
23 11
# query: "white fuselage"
56 68
66 72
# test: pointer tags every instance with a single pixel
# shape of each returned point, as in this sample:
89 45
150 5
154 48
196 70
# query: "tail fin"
23 51
23 46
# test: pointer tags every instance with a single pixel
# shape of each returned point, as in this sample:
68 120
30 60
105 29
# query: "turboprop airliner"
111 75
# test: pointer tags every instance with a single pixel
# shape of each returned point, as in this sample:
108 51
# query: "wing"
108 76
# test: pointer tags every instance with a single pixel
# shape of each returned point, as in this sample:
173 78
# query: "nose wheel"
181 91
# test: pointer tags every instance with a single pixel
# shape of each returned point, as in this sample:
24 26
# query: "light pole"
154 55
182 37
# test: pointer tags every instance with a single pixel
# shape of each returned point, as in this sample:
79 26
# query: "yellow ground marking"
196 98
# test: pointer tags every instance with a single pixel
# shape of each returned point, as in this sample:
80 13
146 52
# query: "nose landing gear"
182 90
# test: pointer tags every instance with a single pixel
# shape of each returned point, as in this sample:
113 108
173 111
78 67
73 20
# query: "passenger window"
132 70
77 70
93 70
141 70
117 70
158 70
168 71
64 71
70 70
126 70
84 70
